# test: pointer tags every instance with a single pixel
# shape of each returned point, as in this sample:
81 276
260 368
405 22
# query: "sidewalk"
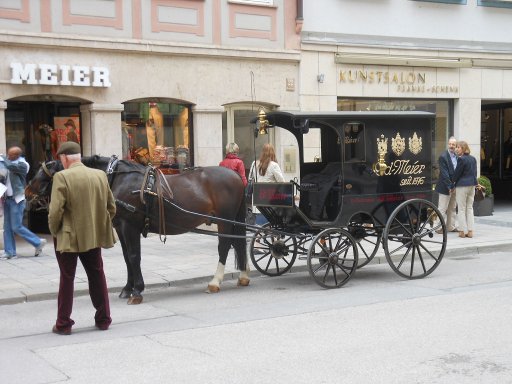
188 258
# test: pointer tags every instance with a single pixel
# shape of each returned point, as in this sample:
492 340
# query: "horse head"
38 191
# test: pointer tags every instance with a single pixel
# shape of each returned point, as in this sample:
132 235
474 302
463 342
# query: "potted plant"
484 207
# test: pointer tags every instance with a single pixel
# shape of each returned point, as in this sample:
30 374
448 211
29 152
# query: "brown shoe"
64 332
470 234
461 234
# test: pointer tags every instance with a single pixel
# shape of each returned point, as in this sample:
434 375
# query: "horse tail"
239 243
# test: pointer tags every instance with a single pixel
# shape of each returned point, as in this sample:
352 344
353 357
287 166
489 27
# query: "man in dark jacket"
445 186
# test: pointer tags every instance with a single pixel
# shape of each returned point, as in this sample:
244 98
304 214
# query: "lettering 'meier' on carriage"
365 179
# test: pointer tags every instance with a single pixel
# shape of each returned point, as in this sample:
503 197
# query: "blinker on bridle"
46 170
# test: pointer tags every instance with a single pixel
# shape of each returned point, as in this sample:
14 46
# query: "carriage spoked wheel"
413 248
367 236
272 254
332 258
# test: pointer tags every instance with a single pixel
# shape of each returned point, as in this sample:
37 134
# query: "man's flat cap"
69 148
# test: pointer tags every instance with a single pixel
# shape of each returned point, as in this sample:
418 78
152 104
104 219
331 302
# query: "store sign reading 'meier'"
67 75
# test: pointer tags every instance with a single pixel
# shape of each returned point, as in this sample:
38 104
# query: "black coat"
446 172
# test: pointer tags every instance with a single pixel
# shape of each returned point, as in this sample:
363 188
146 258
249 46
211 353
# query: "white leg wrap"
218 277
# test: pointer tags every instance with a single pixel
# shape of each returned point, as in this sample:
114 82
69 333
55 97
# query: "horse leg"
131 238
240 246
223 249
127 290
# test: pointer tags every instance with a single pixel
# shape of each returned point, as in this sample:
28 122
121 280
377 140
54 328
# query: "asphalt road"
451 327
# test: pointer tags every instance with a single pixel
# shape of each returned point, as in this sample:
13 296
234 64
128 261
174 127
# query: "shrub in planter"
486 183
485 206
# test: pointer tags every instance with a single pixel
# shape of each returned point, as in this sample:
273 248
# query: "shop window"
495 3
463 2
157 133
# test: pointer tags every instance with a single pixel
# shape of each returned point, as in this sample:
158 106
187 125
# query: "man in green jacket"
80 219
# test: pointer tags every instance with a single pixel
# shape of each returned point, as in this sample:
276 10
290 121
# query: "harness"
153 183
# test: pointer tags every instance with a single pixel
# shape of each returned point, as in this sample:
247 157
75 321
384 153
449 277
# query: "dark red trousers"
93 265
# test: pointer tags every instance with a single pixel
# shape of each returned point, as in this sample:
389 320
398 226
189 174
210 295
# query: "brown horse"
198 196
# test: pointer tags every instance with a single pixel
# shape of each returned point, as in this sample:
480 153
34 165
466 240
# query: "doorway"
38 128
496 147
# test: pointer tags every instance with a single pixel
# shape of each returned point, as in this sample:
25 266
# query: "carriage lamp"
380 166
262 123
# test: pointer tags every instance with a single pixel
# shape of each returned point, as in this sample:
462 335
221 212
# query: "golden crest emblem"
398 144
415 144
382 145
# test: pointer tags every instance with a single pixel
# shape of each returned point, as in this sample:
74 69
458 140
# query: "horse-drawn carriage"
365 179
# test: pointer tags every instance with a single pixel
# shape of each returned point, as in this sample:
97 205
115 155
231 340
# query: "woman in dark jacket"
465 182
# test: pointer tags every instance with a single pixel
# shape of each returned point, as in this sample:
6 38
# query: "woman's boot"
461 234
470 234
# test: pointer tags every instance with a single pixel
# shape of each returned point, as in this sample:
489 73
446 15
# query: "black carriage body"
368 162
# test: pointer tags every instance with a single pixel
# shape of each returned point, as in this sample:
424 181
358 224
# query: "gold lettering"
342 76
421 78
362 75
379 76
395 78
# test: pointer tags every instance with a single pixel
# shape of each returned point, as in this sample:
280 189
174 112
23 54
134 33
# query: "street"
451 327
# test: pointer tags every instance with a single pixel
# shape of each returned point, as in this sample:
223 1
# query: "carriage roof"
299 120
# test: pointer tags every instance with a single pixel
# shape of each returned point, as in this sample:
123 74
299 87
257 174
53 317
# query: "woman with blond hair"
232 161
465 182
268 171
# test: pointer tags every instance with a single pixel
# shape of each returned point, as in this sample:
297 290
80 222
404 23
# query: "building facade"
166 81
450 57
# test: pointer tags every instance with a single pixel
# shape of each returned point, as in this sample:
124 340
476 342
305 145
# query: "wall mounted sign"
405 81
65 75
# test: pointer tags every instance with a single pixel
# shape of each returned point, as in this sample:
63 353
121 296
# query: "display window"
157 133
40 127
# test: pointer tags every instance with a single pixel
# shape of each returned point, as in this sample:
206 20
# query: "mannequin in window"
71 135
508 151
154 129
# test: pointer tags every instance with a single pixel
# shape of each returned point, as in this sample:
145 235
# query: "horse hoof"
134 300
243 282
124 294
213 288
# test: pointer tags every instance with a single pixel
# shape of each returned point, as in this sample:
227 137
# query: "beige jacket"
81 209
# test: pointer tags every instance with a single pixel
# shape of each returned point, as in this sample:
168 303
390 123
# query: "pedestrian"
465 183
232 161
14 204
445 186
80 219
267 168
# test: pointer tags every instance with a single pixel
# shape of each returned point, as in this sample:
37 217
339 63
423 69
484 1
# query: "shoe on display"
39 248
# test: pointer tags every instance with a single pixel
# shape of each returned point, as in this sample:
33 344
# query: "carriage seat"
315 189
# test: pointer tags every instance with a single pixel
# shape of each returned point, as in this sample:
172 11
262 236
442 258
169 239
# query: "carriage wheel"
332 258
362 228
412 247
272 254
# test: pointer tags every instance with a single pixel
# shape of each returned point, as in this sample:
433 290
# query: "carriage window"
354 142
312 146
157 132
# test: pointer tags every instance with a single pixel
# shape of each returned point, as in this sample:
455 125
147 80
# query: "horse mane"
101 162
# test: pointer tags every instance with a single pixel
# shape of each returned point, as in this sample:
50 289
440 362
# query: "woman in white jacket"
268 171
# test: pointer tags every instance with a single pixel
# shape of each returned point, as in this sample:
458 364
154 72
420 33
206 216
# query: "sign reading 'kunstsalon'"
66 75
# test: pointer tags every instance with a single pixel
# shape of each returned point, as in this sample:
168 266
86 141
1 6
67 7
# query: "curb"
229 276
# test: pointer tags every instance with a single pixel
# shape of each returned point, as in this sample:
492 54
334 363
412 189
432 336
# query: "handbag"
479 192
